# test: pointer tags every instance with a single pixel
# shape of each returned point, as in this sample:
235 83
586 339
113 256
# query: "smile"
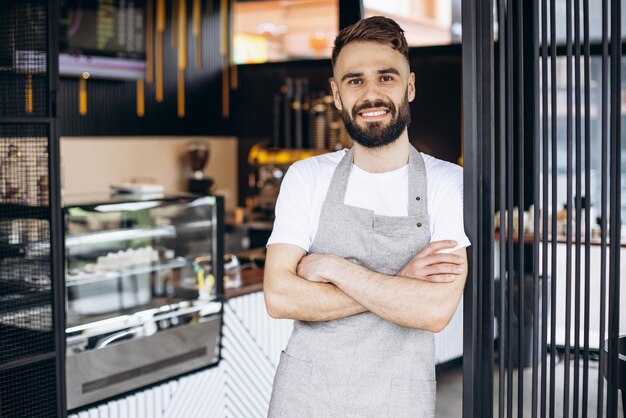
370 114
373 114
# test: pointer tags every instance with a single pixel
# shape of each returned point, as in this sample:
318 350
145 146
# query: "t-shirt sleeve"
447 216
293 210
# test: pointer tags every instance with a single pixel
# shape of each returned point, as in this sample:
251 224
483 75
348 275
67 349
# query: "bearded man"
367 253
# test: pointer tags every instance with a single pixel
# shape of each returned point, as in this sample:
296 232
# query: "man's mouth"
373 114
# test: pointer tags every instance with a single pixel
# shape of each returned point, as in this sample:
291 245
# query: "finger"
443 269
435 246
438 258
441 278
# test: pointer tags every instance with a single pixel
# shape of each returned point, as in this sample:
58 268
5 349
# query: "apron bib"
362 365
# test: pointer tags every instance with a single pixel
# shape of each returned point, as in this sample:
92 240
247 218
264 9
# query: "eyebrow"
388 70
351 75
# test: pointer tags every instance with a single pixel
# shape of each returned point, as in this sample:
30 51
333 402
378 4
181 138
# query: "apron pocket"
412 398
393 252
290 394
368 396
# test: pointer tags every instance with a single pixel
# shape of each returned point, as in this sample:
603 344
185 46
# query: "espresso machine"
269 167
198 154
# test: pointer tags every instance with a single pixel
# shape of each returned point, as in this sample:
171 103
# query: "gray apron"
362 365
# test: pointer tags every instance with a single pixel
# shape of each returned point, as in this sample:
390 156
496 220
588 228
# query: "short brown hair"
373 29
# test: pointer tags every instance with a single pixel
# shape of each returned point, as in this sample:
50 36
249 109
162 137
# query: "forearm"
405 301
292 297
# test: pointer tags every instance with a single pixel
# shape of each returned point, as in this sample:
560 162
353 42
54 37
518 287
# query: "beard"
375 134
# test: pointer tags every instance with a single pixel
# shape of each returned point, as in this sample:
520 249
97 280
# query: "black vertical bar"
519 136
569 206
603 200
57 244
503 340
217 249
509 209
470 295
588 220
534 22
350 11
479 178
615 208
545 204
553 246
577 209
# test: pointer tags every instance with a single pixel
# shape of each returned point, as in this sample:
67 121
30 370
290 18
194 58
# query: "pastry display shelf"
91 277
139 317
117 235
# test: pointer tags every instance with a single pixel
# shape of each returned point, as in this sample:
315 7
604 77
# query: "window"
595 133
281 30
425 22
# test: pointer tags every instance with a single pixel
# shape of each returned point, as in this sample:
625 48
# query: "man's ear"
411 87
336 97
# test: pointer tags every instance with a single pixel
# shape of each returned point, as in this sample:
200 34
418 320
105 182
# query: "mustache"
377 103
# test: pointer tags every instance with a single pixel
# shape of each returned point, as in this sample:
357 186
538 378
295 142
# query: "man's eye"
354 81
386 78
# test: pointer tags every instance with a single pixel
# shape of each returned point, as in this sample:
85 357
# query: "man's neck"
383 159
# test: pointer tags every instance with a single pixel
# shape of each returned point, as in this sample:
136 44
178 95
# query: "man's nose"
371 93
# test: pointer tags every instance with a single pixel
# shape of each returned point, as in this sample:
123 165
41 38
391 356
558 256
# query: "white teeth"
372 114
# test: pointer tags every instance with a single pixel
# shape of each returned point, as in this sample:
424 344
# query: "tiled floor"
450 392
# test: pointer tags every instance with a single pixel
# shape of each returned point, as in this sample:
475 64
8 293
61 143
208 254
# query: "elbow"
436 322
441 321
439 324
445 312
273 306
274 312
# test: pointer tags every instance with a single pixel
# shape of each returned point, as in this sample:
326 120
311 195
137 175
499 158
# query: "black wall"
435 113
112 104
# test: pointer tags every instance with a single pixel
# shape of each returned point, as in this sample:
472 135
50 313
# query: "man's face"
372 87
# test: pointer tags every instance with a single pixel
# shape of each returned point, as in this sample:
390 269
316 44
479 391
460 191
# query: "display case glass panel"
143 290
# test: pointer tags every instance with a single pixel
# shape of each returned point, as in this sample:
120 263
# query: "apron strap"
339 182
418 196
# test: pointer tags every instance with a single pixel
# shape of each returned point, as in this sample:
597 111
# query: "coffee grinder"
198 155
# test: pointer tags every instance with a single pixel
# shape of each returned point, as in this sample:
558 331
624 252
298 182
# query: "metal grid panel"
29 391
23 58
25 284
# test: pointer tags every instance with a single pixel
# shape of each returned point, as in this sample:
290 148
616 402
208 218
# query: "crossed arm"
323 287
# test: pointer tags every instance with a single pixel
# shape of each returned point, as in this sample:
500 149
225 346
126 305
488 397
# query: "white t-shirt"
304 187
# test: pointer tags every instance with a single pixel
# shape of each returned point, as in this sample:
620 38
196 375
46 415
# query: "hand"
433 266
316 267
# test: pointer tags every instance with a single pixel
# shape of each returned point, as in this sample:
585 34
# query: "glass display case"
143 291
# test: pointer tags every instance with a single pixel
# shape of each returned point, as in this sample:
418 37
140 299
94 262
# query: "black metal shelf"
19 211
19 295
25 120
27 361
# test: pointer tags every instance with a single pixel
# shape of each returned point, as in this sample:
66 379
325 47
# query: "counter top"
252 279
